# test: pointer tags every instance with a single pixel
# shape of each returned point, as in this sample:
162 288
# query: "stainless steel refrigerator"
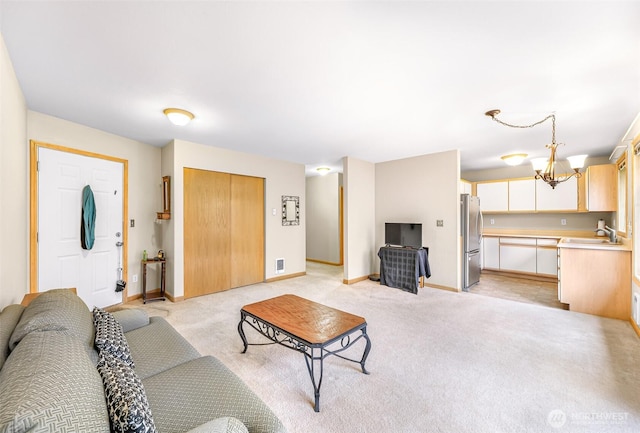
471 219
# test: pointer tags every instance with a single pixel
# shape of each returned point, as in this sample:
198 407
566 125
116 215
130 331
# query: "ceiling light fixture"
546 168
178 116
514 158
323 170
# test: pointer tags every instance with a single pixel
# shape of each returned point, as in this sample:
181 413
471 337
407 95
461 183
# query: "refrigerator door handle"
480 223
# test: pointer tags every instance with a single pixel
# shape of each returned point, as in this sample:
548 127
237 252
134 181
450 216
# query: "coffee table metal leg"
241 331
311 359
366 350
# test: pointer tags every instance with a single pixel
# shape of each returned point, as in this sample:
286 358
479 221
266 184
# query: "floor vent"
279 266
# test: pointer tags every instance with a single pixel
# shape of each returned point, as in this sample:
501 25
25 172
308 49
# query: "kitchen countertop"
561 235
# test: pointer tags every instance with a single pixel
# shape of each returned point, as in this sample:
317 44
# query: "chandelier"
546 168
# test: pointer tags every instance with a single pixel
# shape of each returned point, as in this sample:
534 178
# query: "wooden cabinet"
564 197
522 195
596 281
598 189
491 253
494 196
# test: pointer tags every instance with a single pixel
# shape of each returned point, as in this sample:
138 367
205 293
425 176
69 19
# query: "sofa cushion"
126 400
203 389
225 424
9 318
158 347
56 310
131 318
49 383
110 336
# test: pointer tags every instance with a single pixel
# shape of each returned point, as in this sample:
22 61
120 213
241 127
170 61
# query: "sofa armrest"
131 318
225 424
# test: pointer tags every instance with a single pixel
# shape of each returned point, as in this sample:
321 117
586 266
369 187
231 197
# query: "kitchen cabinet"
596 281
465 187
522 195
547 257
494 196
518 254
563 198
598 189
491 253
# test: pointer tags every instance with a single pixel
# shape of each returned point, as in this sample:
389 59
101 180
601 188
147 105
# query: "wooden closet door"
207 233
247 230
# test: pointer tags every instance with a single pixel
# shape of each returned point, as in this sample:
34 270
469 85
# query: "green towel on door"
88 224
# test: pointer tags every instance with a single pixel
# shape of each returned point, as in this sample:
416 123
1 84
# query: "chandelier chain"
550 116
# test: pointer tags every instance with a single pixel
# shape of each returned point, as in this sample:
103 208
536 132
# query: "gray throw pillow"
127 402
110 336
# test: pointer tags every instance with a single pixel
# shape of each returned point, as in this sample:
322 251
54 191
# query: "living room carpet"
440 361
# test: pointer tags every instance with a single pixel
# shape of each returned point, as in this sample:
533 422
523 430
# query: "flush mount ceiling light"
177 116
323 170
514 159
545 168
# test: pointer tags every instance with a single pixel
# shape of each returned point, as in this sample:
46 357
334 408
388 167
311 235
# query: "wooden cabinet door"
207 235
247 230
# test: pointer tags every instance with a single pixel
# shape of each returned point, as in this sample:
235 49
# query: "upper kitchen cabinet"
522 195
598 189
494 196
564 197
465 187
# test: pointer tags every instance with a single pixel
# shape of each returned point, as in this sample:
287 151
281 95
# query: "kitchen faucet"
613 238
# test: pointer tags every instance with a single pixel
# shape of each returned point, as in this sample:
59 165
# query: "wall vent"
279 266
635 309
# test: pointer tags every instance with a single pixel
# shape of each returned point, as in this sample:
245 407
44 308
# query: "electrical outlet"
132 223
563 221
134 278
439 223
492 221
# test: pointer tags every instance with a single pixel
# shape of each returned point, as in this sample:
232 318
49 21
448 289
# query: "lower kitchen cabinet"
491 253
518 255
596 281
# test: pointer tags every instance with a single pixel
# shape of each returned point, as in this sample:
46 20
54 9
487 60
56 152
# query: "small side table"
153 296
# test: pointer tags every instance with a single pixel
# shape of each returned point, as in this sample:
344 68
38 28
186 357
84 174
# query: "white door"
62 262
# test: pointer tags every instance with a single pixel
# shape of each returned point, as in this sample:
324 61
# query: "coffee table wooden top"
312 322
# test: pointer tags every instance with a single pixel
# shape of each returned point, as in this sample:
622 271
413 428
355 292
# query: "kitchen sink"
591 241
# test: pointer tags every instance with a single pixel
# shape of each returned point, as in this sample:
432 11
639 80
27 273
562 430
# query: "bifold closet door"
207 232
247 230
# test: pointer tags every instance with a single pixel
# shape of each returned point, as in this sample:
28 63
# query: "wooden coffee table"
313 329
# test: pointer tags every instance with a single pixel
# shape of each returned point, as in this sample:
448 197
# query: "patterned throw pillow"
127 402
110 336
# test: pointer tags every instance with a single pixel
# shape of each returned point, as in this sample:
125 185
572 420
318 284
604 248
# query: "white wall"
145 181
14 192
281 178
359 216
323 218
423 190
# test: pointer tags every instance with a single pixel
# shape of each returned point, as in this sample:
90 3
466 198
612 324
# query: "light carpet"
439 362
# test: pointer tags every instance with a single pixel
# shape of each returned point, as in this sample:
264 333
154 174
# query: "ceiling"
312 82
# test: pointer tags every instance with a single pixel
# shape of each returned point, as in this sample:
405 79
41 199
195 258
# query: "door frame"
33 208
